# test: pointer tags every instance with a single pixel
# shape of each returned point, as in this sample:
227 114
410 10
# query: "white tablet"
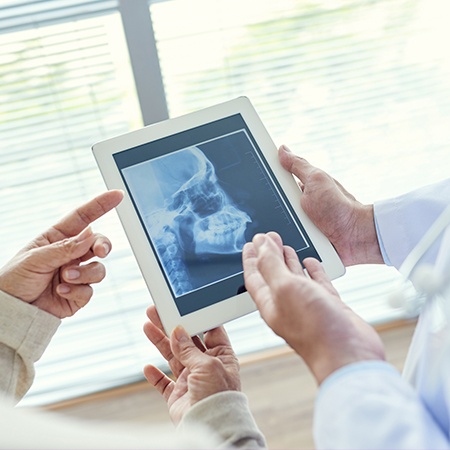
197 188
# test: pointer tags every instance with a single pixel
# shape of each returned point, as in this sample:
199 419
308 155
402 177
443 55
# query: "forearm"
228 415
369 405
25 332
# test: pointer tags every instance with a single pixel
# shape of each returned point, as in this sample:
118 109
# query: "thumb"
294 164
185 350
55 255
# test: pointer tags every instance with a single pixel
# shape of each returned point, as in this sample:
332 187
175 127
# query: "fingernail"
180 334
63 289
106 247
258 240
286 149
72 274
84 234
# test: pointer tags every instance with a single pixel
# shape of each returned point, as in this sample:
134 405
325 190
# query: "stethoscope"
425 293
421 281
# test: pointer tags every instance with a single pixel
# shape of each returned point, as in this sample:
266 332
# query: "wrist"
365 248
7 287
323 368
352 342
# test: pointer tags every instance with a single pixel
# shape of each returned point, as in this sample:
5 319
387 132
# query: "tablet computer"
197 187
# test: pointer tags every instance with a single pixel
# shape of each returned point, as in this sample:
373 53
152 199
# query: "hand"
306 312
47 273
347 223
200 369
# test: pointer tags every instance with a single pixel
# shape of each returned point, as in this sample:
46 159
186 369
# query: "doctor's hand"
48 273
346 222
200 369
306 312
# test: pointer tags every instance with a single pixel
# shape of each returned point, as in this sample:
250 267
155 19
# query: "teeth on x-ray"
222 232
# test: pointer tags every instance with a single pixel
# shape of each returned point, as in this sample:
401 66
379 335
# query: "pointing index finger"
78 219
270 259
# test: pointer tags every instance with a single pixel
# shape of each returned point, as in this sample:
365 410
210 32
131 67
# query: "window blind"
358 88
22 14
65 85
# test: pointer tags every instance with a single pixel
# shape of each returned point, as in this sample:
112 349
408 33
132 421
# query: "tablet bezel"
233 307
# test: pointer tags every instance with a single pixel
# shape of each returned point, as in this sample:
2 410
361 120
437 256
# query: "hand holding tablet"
198 187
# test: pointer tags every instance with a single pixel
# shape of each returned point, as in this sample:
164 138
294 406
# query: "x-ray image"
199 205
196 227
200 196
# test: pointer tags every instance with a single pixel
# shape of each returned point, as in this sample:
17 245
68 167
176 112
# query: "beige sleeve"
25 332
227 414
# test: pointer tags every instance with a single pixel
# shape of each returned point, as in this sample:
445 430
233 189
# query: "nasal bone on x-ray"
198 218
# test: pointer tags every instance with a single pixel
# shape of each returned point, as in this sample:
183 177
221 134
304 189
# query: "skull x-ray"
206 218
200 203
189 216
197 228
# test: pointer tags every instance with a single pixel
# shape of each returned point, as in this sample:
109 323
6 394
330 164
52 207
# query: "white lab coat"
369 404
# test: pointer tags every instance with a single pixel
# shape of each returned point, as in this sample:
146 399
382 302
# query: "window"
65 85
358 88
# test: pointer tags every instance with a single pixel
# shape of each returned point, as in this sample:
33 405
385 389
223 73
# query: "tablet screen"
200 195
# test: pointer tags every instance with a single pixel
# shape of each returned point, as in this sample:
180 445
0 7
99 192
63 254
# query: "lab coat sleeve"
368 405
228 414
25 332
402 221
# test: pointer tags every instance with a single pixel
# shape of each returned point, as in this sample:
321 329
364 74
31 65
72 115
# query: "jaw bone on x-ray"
197 218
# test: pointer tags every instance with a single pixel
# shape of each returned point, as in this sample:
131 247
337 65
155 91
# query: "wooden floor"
280 389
